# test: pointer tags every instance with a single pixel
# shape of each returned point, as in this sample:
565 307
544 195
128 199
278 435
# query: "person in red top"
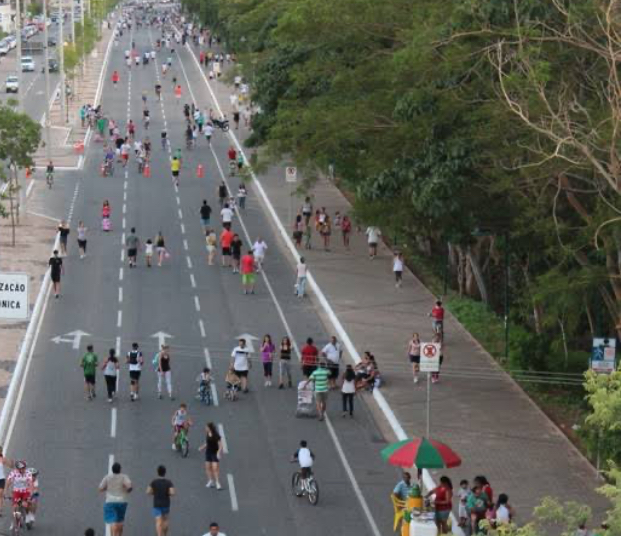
485 487
437 315
232 153
178 93
443 503
248 272
309 358
115 78
226 237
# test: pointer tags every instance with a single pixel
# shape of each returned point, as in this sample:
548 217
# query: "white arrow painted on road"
249 338
76 338
161 337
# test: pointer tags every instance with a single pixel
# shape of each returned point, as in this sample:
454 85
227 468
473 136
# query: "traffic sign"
430 357
14 296
291 174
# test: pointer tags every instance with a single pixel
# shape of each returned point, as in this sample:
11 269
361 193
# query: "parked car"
51 42
12 84
4 48
28 64
12 41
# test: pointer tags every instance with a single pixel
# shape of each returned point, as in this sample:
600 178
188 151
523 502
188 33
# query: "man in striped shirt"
320 378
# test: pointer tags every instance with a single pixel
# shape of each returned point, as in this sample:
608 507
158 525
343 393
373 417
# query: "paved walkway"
492 424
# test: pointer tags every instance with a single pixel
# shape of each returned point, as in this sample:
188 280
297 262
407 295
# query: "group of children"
204 379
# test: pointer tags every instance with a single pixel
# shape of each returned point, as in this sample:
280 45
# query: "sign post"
291 177
14 296
429 363
603 355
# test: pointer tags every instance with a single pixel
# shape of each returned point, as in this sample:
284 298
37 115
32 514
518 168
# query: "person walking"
106 212
326 232
223 194
309 358
213 447
160 245
397 268
259 249
164 372
242 193
214 528
212 241
117 487
320 378
226 238
135 361
300 284
267 359
248 272
148 252
110 369
241 363
205 214
333 353
81 232
133 243
236 247
414 355
56 270
227 216
298 231
284 365
348 390
346 230
63 234
162 490
373 237
89 364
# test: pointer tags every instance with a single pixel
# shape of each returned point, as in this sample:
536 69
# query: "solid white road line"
201 326
113 423
192 281
225 446
197 304
234 505
119 319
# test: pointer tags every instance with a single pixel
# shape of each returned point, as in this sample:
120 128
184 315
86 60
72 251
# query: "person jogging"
89 365
134 360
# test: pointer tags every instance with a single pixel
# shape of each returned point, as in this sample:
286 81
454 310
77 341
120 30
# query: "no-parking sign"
430 357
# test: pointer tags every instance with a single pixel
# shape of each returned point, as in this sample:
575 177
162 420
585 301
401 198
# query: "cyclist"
22 483
437 315
49 174
305 458
34 504
180 421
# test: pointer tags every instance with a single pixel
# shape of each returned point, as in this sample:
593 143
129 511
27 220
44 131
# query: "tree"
19 138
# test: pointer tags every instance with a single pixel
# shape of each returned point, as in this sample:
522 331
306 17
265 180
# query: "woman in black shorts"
414 355
213 451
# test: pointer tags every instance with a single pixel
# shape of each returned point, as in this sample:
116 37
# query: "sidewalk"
65 133
497 430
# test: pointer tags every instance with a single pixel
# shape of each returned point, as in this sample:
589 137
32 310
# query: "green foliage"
19 137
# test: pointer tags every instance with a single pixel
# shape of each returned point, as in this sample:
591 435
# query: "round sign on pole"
291 174
430 357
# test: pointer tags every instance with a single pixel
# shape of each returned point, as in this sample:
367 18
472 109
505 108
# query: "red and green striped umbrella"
422 453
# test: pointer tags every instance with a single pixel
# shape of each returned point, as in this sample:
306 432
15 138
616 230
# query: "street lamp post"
61 56
46 71
18 35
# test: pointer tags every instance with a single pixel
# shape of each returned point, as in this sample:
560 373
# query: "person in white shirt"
332 352
214 530
373 237
241 363
305 458
227 216
397 268
258 249
300 285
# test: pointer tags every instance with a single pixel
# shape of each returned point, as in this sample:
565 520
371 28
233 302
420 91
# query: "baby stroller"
232 386
306 401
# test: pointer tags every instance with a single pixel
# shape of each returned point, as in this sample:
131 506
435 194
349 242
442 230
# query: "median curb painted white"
25 352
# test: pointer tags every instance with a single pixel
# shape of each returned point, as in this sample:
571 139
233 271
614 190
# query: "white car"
4 48
12 84
28 64
12 41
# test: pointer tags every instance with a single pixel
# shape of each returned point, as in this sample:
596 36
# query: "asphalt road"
72 441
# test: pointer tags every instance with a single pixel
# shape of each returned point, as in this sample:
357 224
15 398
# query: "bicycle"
204 394
19 519
305 486
182 443
49 179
